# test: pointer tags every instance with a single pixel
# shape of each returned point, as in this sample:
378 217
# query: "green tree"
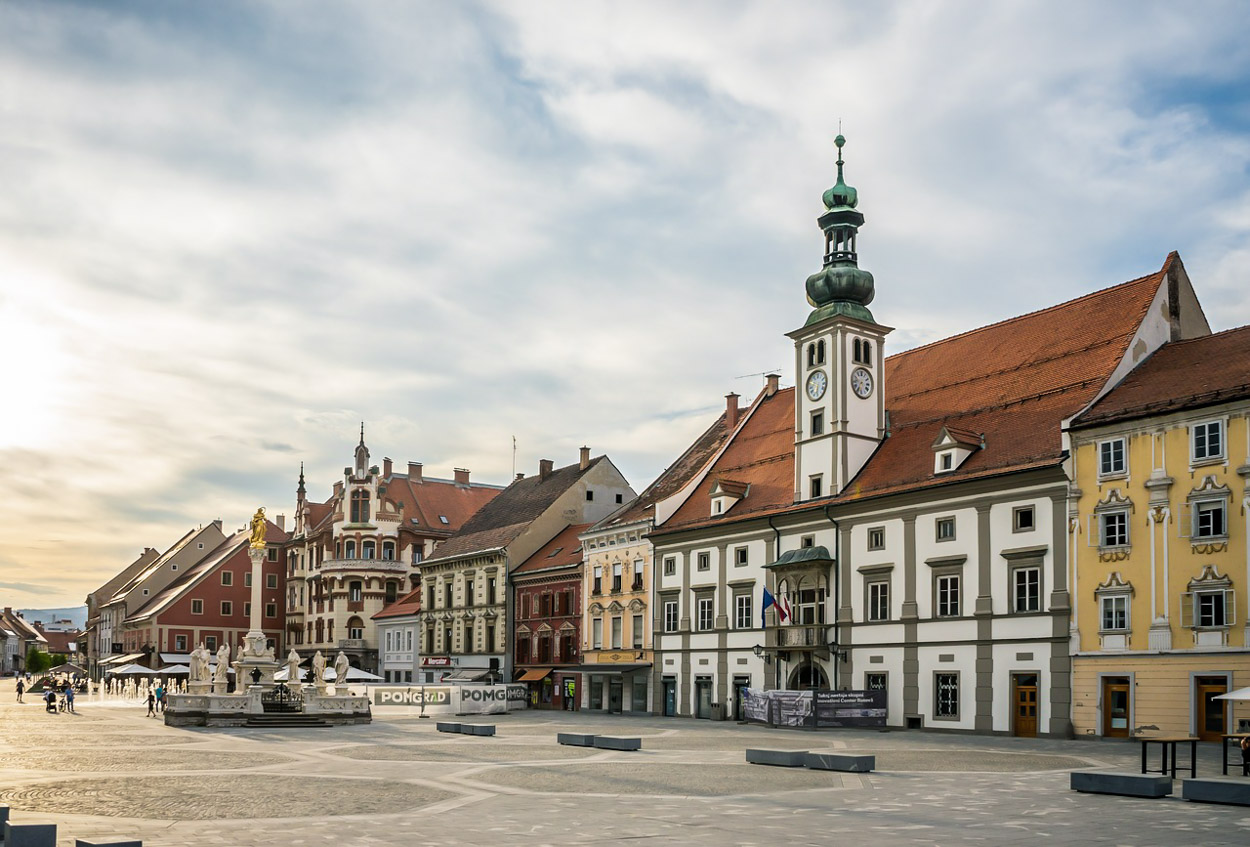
37 661
57 660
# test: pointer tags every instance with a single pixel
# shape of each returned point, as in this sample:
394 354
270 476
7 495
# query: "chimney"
731 411
338 488
386 467
414 472
280 520
520 475
774 382
462 477
585 460
544 468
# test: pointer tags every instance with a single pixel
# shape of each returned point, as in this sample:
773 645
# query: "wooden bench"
840 762
1125 784
575 739
443 726
477 729
1234 792
608 742
777 758
30 835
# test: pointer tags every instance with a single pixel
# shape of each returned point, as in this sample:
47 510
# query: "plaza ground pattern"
110 772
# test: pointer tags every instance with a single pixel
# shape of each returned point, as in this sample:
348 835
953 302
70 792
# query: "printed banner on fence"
815 708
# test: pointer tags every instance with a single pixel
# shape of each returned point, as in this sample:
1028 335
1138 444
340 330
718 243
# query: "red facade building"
546 590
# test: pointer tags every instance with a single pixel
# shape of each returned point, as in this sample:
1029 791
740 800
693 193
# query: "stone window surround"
945 566
1113 472
1018 512
877 575
937 675
937 528
1025 558
1115 586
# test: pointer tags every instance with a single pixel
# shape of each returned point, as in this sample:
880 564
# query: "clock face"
816 385
861 382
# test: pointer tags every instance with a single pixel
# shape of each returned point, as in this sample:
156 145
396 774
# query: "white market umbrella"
1239 694
175 670
353 675
129 669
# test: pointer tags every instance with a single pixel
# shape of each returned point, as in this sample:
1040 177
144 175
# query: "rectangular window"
1114 612
1022 519
469 593
637 583
876 538
227 578
617 625
1210 520
670 615
197 607
948 596
180 643
227 608
1209 609
636 632
597 586
818 423
740 557
247 579
816 485
807 541
705 614
210 642
490 590
670 566
273 554
616 576
271 610
876 681
1026 587
946 690
247 610
945 529
743 618
879 601
596 633
1111 457
946 461
705 561
271 580
590 495
1113 529
489 640
1208 441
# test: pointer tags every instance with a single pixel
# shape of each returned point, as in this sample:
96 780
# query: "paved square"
109 771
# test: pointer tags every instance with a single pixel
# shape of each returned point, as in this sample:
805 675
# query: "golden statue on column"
258 529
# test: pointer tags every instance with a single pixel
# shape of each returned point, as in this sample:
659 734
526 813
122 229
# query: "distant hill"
77 614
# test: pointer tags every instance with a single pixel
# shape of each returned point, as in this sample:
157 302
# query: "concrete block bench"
1234 792
30 835
477 729
777 758
840 762
1126 784
575 739
443 726
78 842
607 742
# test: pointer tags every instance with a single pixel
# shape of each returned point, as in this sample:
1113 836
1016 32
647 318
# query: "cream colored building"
1159 526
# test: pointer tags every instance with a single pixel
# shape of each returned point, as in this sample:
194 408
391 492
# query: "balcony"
377 565
802 637
351 644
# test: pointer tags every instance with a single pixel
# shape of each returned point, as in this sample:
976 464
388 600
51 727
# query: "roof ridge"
1101 292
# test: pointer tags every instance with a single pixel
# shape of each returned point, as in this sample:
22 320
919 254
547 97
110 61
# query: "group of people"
58 696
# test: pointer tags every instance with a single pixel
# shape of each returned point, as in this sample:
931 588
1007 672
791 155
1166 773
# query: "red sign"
436 662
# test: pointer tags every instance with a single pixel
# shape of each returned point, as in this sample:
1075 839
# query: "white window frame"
671 618
703 562
1105 540
951 605
705 613
596 633
1112 458
1033 592
1120 610
1208 506
879 600
744 617
1200 433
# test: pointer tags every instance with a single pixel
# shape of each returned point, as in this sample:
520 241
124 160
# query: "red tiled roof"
433 499
1014 381
409 604
1180 375
563 551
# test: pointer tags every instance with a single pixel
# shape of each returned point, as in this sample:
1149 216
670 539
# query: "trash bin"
718 712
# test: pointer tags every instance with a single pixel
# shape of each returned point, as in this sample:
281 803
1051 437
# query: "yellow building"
1159 525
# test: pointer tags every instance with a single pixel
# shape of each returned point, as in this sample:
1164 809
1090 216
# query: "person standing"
151 703
160 696
21 686
69 698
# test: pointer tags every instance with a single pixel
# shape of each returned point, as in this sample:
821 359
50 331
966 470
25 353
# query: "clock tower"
839 406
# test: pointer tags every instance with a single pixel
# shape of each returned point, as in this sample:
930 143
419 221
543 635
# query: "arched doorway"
808 676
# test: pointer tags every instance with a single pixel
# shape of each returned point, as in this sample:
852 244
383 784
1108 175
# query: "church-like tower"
839 407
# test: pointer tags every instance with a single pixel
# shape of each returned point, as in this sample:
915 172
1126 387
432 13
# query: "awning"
176 658
612 668
469 675
1238 694
127 670
121 660
534 674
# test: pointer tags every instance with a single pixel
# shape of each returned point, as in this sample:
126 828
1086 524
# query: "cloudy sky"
229 232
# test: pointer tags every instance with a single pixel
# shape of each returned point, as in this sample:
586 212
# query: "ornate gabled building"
908 512
362 549
467 623
1160 560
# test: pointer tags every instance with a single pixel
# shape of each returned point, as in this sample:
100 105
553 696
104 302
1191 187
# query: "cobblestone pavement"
110 772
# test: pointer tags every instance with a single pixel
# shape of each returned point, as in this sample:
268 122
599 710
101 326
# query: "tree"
37 661
57 660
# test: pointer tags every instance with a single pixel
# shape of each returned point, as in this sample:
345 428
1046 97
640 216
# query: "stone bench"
78 842
30 835
442 726
575 739
840 762
608 742
777 758
1126 784
1234 792
477 729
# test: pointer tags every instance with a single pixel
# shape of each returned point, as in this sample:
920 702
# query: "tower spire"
841 287
362 454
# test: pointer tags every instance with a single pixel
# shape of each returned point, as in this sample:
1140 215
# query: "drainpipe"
837 587
776 555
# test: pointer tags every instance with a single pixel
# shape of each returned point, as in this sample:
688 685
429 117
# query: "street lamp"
759 653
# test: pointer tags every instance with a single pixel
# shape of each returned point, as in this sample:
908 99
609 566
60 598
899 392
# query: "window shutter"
1091 531
1187 609
1185 525
1230 607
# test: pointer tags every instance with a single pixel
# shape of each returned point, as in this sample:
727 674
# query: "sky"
230 232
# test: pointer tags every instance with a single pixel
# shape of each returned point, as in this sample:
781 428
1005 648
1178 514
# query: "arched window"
820 352
355 628
360 506
355 592
811 355
857 354
368 550
349 550
388 551
867 352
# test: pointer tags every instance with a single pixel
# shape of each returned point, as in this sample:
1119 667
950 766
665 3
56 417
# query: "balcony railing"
801 636
351 644
388 565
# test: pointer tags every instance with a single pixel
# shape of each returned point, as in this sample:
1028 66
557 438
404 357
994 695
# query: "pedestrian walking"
21 686
160 697
151 704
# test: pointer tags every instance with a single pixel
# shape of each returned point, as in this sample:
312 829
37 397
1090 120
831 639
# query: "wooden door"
1212 719
1115 707
1024 700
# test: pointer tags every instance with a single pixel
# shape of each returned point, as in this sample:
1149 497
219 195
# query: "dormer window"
952 447
725 493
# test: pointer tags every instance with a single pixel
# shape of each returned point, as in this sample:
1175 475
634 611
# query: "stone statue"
319 670
223 666
258 529
199 663
340 671
292 667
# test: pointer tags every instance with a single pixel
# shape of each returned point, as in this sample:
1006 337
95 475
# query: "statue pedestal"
197 687
252 671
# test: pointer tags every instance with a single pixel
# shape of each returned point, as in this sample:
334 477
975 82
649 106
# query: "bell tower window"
360 506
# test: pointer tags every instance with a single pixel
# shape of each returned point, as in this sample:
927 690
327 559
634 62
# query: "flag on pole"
769 600
783 609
